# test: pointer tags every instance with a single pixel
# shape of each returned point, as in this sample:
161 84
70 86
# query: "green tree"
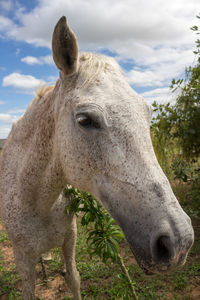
181 121
176 130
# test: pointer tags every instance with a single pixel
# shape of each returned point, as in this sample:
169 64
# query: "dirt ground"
56 289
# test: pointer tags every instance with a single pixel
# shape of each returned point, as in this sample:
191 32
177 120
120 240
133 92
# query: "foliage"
189 172
104 237
3 236
176 129
181 121
165 145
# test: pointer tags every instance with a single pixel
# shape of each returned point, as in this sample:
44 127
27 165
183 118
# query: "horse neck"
42 164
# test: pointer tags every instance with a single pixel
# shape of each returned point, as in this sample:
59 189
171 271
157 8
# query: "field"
100 281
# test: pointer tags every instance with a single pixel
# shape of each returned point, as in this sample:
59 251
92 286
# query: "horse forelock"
91 66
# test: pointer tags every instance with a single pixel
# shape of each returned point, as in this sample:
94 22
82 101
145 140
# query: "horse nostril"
164 249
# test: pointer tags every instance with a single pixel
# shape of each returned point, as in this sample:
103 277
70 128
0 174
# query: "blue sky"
151 40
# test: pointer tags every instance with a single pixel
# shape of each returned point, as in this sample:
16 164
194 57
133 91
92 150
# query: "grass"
8 280
3 236
100 281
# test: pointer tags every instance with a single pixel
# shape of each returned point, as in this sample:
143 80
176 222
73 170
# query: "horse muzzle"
166 250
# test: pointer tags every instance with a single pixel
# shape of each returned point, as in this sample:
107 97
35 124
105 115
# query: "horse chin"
156 269
151 269
161 268
150 272
147 272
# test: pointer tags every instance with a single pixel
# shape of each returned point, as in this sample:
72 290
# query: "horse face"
105 148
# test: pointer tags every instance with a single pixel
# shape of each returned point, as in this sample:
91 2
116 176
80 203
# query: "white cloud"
48 59
4 131
23 82
6 4
7 118
6 25
107 22
2 102
161 68
17 51
16 111
160 95
31 60
143 78
155 34
52 80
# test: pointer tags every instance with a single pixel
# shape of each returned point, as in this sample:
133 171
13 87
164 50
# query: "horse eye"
84 120
87 121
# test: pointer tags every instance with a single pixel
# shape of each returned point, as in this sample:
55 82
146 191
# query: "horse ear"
65 48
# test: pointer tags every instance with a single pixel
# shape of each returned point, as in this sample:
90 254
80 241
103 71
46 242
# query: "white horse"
92 131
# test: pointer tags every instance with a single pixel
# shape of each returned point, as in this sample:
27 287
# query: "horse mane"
41 91
90 66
